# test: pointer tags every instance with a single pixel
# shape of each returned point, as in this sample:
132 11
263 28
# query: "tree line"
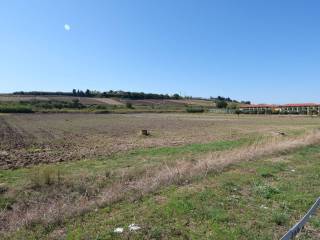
228 100
221 102
106 94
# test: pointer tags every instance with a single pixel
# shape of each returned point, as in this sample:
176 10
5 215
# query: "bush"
129 105
221 104
44 177
15 109
75 104
280 218
102 107
195 109
53 104
232 105
237 111
102 112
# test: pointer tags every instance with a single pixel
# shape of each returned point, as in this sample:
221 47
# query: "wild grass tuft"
265 190
280 218
42 177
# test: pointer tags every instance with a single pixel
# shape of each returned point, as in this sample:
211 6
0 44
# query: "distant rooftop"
283 105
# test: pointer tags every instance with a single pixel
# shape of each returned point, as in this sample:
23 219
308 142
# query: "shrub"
129 105
221 104
102 112
280 218
45 177
15 109
102 107
237 111
76 104
195 109
232 105
176 96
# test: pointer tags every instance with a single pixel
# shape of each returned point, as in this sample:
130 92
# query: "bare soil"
28 139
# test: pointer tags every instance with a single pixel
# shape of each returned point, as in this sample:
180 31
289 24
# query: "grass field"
197 176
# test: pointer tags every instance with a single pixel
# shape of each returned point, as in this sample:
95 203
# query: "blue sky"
263 51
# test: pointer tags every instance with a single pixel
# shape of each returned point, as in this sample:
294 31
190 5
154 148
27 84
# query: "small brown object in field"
3 188
145 132
282 133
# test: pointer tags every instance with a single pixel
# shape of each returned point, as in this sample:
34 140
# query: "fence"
299 226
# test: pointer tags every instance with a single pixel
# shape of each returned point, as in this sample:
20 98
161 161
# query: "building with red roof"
292 108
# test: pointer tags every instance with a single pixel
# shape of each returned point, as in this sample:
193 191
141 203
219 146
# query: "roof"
301 105
285 105
259 106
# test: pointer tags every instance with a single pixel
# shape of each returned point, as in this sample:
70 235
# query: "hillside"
88 104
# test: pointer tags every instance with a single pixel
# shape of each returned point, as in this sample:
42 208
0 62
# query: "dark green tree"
221 104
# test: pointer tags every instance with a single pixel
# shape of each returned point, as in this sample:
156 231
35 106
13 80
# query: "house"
297 108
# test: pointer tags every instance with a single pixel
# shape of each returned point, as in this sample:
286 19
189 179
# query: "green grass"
94 174
171 153
135 159
250 200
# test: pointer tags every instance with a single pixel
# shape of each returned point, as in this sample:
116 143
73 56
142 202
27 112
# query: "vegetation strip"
155 155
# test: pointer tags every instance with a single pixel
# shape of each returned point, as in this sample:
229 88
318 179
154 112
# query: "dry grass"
54 210
185 171
46 177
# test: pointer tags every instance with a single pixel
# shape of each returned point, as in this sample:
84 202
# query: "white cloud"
67 27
